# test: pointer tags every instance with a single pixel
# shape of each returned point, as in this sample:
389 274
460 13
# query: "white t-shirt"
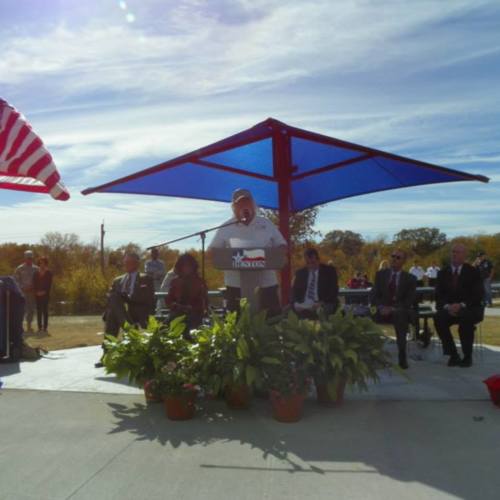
260 233
418 272
432 272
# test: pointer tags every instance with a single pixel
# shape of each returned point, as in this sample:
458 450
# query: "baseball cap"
240 193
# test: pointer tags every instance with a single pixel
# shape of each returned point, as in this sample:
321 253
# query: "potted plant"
284 365
346 350
135 355
228 355
176 382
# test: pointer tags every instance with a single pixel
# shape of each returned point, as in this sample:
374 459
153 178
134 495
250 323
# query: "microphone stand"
203 236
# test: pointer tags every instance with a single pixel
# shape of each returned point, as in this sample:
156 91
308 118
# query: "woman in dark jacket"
42 282
187 295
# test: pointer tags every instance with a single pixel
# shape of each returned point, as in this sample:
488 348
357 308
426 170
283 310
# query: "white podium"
248 261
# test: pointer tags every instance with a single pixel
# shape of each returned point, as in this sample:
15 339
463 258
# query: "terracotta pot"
238 397
151 397
493 384
323 397
287 408
180 407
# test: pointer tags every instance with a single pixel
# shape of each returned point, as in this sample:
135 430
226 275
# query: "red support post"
283 174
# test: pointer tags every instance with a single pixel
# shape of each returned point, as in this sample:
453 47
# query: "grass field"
80 331
69 331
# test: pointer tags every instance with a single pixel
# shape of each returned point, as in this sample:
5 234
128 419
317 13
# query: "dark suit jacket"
405 292
141 304
469 291
328 285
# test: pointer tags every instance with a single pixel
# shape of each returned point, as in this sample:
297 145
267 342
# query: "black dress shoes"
99 364
454 360
466 362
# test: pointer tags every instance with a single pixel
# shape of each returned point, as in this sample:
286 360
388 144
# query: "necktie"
454 278
126 285
392 287
312 287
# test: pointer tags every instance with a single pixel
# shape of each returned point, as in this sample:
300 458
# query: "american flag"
25 163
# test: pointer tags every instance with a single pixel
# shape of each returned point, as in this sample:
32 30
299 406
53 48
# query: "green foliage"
348 242
140 354
350 349
331 350
301 224
287 356
86 290
130 356
229 350
422 241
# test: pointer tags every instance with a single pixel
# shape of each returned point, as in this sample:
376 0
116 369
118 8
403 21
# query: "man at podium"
246 229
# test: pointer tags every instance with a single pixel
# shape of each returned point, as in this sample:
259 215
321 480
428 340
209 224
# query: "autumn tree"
349 242
422 241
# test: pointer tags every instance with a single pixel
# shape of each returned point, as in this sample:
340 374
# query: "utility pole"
102 246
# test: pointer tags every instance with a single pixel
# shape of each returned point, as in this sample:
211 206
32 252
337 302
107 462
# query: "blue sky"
113 87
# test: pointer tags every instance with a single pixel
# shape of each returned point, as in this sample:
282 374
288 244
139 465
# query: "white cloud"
194 52
146 220
105 94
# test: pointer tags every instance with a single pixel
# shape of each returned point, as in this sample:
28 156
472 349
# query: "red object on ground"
287 408
238 397
149 394
493 385
180 407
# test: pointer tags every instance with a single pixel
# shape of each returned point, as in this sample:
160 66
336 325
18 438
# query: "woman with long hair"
187 295
42 283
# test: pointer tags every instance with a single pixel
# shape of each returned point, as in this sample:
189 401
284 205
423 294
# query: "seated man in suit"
459 296
315 285
393 294
131 298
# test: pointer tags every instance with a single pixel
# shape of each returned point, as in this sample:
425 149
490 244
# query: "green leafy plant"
286 355
139 354
229 350
348 349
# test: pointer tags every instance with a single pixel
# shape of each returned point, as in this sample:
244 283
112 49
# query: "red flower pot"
323 396
149 393
238 397
287 408
180 407
493 385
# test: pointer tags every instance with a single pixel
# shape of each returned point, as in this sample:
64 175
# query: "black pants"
42 311
268 299
400 319
466 322
118 311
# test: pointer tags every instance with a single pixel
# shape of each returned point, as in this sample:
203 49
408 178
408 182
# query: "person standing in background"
418 271
155 268
24 277
42 283
485 267
432 274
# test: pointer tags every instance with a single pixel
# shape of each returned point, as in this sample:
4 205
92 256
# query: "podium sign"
248 262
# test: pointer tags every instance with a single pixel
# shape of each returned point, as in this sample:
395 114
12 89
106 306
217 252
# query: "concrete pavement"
85 435
57 446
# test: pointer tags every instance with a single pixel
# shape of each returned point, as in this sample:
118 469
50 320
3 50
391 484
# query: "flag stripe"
24 158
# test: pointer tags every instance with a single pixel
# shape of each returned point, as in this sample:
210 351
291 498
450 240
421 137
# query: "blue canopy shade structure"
286 168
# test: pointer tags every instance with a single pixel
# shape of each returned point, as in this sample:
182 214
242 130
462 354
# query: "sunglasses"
396 256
